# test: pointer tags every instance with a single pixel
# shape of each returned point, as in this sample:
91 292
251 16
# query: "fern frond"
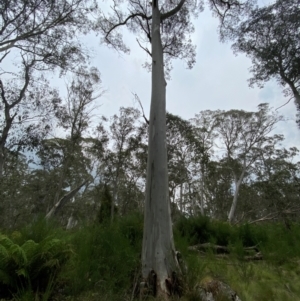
22 272
18 255
5 241
30 248
3 252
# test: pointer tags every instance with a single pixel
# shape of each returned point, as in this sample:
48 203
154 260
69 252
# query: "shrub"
195 229
31 266
107 256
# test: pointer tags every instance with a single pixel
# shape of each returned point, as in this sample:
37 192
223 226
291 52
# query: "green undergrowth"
107 258
275 241
101 261
31 260
276 277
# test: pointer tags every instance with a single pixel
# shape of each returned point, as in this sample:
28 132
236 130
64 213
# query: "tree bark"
158 253
235 197
58 206
202 191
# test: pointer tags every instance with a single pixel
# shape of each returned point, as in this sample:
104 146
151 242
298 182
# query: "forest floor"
95 262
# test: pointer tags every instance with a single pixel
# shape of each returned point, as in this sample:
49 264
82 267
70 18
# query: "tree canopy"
270 37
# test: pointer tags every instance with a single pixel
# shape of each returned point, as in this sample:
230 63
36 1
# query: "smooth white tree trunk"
235 197
158 253
58 206
202 191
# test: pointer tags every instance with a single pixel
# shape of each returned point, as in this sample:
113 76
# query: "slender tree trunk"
202 191
181 200
8 124
66 198
158 253
235 197
7 112
1 162
115 192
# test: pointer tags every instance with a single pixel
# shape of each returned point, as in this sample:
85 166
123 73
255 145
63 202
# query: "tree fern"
31 266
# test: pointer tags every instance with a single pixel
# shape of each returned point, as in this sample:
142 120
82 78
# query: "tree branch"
146 49
172 11
139 101
4 55
143 16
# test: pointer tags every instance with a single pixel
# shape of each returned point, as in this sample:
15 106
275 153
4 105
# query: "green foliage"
251 235
30 266
277 242
195 229
283 244
200 229
105 262
131 228
107 257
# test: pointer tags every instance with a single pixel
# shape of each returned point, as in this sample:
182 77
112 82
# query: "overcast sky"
218 80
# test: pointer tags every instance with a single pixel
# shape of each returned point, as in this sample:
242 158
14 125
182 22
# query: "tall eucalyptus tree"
167 26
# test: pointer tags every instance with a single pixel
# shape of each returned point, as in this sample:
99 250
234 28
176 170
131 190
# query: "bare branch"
285 103
3 57
132 16
146 49
139 101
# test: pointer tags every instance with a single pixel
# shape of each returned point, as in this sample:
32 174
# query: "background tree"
180 146
37 36
276 182
46 30
204 127
83 90
270 37
242 134
27 105
118 161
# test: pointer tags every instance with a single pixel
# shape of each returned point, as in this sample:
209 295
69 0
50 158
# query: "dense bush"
200 229
274 240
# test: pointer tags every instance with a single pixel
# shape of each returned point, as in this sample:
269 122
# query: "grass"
105 260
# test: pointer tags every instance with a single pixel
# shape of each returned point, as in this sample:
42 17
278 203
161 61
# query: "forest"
131 207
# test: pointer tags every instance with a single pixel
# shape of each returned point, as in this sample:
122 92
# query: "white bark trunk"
181 200
158 253
58 206
202 192
72 222
235 197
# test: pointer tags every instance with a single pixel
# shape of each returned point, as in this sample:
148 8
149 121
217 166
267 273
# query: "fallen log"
223 252
208 246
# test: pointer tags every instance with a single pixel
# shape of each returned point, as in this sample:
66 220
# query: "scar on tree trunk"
150 286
